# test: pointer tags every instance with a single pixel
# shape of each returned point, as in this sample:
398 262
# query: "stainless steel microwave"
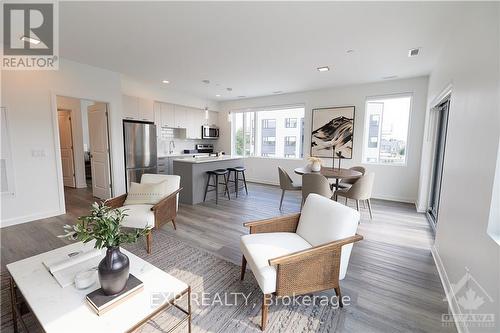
209 132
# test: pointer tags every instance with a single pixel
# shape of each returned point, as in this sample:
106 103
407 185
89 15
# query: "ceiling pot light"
241 96
166 81
413 52
389 77
30 40
349 51
323 69
206 81
278 92
217 95
229 89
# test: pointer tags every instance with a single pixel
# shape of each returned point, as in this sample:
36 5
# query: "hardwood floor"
391 274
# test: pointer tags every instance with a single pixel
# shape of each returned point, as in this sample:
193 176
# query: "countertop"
161 155
207 159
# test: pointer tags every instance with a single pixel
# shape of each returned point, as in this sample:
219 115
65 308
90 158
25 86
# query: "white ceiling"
255 48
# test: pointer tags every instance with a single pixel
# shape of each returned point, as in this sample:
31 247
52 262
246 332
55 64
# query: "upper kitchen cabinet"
180 116
135 108
164 114
194 121
146 109
213 118
130 106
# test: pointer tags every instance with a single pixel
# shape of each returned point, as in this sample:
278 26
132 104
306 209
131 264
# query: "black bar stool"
216 174
236 171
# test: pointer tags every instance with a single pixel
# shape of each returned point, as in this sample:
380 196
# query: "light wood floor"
391 272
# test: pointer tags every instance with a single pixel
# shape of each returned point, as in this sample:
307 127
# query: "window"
290 140
290 122
268 123
268 133
386 130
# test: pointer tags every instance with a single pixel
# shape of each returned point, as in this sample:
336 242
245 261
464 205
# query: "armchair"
301 253
153 216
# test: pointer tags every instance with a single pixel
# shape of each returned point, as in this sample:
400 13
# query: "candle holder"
339 154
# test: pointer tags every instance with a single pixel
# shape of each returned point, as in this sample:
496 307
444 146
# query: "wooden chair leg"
173 222
245 182
282 196
370 208
339 295
149 240
265 307
243 267
346 201
357 205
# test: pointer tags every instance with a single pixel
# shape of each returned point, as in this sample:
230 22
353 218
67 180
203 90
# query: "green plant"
103 225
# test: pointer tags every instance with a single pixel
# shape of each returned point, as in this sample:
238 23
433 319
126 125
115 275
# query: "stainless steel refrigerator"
140 150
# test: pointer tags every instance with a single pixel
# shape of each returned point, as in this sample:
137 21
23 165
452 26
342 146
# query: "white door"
99 151
66 143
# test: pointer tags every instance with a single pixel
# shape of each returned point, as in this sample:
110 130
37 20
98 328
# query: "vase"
113 271
316 167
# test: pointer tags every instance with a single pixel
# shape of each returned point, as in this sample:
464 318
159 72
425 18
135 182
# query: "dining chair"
315 183
360 190
345 183
286 184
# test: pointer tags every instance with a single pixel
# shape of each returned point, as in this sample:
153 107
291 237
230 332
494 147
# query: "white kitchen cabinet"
167 115
194 121
130 106
146 109
135 108
157 114
213 118
180 116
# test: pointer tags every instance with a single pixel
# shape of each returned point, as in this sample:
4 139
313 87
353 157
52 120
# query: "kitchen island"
193 172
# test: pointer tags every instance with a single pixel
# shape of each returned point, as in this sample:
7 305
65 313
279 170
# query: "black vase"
113 271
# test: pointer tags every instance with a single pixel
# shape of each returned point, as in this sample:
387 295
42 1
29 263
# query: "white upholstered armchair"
301 253
142 215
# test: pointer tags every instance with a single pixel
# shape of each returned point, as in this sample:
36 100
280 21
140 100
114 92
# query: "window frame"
288 121
366 128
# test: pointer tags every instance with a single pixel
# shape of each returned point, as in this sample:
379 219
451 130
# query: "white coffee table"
61 310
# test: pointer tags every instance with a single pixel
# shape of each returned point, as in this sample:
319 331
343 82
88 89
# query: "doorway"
442 111
84 149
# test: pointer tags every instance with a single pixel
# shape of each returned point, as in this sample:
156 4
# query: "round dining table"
336 173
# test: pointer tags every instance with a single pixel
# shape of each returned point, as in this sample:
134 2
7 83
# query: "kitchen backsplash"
180 145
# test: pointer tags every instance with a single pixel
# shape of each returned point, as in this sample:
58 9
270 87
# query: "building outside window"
386 128
290 122
266 133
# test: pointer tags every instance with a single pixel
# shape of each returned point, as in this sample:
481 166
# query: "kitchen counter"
207 159
162 155
193 172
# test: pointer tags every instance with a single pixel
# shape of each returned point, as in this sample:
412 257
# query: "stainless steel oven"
209 132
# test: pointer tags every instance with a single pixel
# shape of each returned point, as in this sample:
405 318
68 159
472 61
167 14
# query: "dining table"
335 173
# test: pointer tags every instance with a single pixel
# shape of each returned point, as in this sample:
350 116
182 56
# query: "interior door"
66 143
438 161
99 151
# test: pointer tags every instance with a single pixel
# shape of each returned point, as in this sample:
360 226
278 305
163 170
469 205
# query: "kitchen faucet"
171 146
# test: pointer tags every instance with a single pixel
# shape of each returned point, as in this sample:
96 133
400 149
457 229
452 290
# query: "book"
101 303
65 269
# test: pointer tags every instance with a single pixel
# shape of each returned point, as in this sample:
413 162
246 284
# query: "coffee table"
65 309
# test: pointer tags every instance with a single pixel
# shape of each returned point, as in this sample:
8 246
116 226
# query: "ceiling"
255 48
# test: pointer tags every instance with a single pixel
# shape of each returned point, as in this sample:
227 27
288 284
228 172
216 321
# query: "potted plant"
315 163
103 225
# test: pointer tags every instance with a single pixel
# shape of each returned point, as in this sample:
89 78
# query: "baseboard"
381 197
29 218
448 290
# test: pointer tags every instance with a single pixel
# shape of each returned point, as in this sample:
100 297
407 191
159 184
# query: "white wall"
405 189
470 63
73 104
28 96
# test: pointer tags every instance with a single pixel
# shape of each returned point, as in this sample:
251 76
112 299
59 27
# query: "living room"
305 166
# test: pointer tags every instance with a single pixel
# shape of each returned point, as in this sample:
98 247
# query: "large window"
386 130
268 133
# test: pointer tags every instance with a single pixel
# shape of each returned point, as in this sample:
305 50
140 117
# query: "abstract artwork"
332 128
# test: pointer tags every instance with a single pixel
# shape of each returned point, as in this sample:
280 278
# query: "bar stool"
237 170
216 173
